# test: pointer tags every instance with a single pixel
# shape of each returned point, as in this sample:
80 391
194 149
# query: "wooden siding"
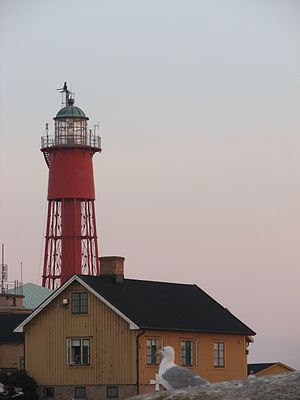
235 354
11 354
112 344
275 369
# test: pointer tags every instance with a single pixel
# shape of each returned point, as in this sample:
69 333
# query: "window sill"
80 314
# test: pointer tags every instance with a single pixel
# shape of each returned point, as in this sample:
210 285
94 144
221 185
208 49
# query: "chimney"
112 267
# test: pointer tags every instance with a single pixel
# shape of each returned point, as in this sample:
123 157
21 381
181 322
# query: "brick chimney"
112 267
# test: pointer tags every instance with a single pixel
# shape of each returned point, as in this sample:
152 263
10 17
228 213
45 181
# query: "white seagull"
171 376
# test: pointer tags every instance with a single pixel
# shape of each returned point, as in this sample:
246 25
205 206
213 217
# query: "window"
112 392
49 392
22 363
187 353
79 303
80 393
78 351
152 348
219 358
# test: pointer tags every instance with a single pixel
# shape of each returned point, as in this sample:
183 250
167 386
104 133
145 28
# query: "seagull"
171 376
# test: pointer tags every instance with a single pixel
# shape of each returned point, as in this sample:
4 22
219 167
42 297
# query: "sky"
199 177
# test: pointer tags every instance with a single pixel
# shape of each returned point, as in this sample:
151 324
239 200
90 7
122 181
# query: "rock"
271 387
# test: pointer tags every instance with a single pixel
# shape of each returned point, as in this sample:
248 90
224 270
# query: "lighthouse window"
70 132
79 303
60 132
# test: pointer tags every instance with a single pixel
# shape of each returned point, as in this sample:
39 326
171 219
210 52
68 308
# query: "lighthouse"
71 235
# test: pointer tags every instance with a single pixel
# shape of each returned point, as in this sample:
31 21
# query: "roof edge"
19 328
251 331
196 330
269 366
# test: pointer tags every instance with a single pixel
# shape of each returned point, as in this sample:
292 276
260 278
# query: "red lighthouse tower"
71 237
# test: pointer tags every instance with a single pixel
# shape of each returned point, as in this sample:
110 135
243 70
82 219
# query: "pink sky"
198 182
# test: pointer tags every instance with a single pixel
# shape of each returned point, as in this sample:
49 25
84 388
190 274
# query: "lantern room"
71 129
71 125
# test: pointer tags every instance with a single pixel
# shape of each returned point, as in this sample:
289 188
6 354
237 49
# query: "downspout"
138 363
24 351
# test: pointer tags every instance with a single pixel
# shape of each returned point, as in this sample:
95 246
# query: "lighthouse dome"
70 111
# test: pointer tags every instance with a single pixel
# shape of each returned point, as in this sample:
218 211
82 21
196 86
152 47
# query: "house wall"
235 355
93 392
10 355
9 299
113 350
112 346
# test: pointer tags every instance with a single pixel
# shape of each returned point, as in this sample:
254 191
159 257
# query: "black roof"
167 306
8 323
259 367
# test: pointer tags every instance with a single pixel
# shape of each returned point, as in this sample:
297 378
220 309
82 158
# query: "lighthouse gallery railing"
88 139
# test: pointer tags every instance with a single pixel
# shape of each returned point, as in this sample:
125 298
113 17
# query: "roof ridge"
143 280
264 363
163 282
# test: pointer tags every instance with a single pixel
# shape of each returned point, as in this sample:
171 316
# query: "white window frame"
156 340
183 349
82 304
83 342
219 354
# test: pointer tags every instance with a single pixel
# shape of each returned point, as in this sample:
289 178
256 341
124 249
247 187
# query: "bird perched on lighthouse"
171 376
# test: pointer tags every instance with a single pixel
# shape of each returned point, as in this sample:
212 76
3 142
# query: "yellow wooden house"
97 337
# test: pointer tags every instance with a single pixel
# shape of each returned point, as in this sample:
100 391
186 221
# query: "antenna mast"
65 95
3 271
